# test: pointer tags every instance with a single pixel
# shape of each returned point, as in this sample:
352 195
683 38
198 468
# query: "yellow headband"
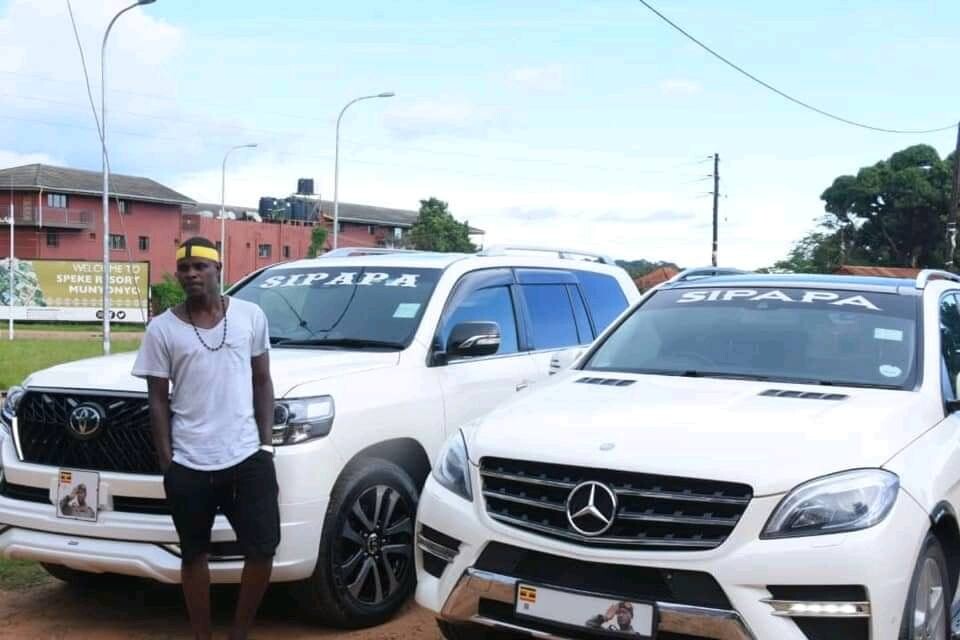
193 251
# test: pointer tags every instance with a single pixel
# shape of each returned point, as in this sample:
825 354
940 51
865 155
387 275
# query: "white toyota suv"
744 457
376 358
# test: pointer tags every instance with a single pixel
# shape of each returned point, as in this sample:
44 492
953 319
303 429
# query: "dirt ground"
133 609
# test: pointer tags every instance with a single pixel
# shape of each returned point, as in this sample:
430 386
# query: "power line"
805 105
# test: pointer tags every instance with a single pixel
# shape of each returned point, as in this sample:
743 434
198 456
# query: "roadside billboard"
72 290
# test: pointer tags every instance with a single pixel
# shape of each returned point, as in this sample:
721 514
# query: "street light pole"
10 270
106 176
336 165
223 224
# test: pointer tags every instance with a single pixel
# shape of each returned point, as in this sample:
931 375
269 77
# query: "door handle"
523 385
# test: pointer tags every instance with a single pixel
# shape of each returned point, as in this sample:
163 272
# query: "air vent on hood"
607 382
803 395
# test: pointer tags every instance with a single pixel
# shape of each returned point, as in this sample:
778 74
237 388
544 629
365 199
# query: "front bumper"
880 559
464 605
146 544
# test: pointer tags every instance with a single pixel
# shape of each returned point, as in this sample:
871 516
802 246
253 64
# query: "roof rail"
925 276
564 254
696 273
346 252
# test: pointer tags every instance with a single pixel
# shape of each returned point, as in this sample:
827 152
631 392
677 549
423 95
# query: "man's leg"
195 575
191 499
253 584
255 515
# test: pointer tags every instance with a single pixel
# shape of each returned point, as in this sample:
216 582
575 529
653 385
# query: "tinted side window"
492 304
580 312
604 297
551 316
950 343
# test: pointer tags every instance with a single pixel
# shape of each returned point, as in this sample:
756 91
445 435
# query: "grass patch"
74 326
18 574
20 358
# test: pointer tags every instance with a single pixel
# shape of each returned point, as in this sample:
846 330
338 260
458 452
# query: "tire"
926 615
80 579
470 631
351 586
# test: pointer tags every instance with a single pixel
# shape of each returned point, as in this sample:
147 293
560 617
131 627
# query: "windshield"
344 307
787 334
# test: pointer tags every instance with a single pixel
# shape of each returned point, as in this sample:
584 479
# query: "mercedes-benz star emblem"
86 420
591 508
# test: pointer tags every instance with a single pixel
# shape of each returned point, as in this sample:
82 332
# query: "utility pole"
954 215
716 202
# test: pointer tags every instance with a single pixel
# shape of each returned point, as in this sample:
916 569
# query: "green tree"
318 239
166 294
437 230
894 213
816 252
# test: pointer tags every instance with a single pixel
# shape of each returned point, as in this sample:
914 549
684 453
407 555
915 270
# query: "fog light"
795 609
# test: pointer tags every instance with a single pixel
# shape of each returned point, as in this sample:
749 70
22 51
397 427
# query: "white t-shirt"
213 424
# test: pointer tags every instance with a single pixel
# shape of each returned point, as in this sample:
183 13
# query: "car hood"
703 428
289 368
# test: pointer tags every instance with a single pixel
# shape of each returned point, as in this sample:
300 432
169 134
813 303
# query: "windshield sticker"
346 278
406 310
893 335
890 371
826 297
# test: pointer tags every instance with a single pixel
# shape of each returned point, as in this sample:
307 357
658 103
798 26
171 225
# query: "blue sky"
572 123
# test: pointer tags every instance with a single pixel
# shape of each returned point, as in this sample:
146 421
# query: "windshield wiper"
357 343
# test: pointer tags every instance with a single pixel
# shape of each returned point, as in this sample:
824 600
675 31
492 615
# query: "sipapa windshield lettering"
344 278
791 296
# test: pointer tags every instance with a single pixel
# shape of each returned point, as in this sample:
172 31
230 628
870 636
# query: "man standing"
206 362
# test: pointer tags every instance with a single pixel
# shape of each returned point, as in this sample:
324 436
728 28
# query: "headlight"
10 404
847 501
300 420
453 469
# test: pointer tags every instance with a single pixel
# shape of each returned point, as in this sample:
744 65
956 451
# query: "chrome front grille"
122 441
652 512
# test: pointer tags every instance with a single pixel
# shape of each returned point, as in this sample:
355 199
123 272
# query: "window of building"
397 233
265 250
286 251
57 200
144 243
53 239
93 236
371 229
124 210
118 242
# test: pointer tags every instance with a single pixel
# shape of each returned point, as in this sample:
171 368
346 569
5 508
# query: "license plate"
607 615
78 495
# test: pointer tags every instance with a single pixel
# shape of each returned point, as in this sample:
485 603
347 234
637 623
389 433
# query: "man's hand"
159 393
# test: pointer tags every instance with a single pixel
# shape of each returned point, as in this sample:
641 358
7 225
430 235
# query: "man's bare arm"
159 394
263 397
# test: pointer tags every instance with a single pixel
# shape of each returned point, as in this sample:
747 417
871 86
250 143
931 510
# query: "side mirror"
473 340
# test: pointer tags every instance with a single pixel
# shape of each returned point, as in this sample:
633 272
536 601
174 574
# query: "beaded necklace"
223 340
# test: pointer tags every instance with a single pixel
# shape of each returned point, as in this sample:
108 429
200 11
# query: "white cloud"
427 118
679 87
544 79
14 159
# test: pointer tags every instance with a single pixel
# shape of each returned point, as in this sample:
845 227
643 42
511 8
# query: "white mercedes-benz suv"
742 457
375 359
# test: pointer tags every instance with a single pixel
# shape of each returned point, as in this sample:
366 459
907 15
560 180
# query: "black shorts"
247 494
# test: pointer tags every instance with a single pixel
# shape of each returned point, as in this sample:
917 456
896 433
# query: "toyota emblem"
591 508
86 421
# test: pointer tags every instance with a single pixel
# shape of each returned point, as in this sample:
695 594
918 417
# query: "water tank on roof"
305 187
